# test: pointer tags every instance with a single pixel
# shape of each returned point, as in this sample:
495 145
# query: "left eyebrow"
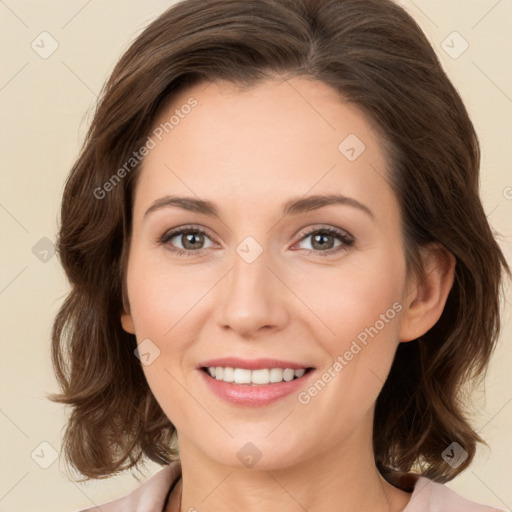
294 206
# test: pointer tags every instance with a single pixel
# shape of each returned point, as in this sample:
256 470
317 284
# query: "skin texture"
248 151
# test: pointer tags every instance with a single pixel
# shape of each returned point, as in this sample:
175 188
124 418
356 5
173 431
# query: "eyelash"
347 240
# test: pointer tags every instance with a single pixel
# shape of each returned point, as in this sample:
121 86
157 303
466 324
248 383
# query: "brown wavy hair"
378 58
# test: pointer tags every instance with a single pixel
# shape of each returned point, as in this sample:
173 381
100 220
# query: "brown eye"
192 240
323 241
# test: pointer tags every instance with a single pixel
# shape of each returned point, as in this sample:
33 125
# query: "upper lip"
251 364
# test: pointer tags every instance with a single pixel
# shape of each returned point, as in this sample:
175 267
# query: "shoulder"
430 496
150 496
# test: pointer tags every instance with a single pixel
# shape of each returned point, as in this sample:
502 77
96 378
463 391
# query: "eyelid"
327 228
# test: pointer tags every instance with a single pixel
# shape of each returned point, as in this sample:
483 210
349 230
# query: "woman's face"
262 281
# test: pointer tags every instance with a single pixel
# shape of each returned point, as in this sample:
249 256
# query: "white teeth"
260 376
255 377
288 374
242 376
276 375
228 375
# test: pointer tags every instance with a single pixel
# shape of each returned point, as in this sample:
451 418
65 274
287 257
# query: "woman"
282 274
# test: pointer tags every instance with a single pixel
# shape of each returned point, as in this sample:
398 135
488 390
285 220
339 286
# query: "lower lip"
253 396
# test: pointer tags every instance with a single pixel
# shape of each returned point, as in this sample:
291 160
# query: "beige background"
46 106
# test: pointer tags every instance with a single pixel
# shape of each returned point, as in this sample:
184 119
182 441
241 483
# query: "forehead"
269 141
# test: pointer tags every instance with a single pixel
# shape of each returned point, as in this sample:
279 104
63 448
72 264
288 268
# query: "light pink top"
163 490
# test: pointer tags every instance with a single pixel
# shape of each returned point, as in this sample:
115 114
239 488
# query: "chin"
256 454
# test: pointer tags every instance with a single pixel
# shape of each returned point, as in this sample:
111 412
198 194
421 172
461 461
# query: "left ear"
425 299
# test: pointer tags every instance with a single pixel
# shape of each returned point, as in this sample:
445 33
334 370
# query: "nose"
253 300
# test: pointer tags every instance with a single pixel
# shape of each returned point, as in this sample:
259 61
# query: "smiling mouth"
260 377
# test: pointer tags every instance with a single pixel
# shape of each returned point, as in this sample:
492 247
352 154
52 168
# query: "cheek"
162 306
362 295
363 309
161 296
361 306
